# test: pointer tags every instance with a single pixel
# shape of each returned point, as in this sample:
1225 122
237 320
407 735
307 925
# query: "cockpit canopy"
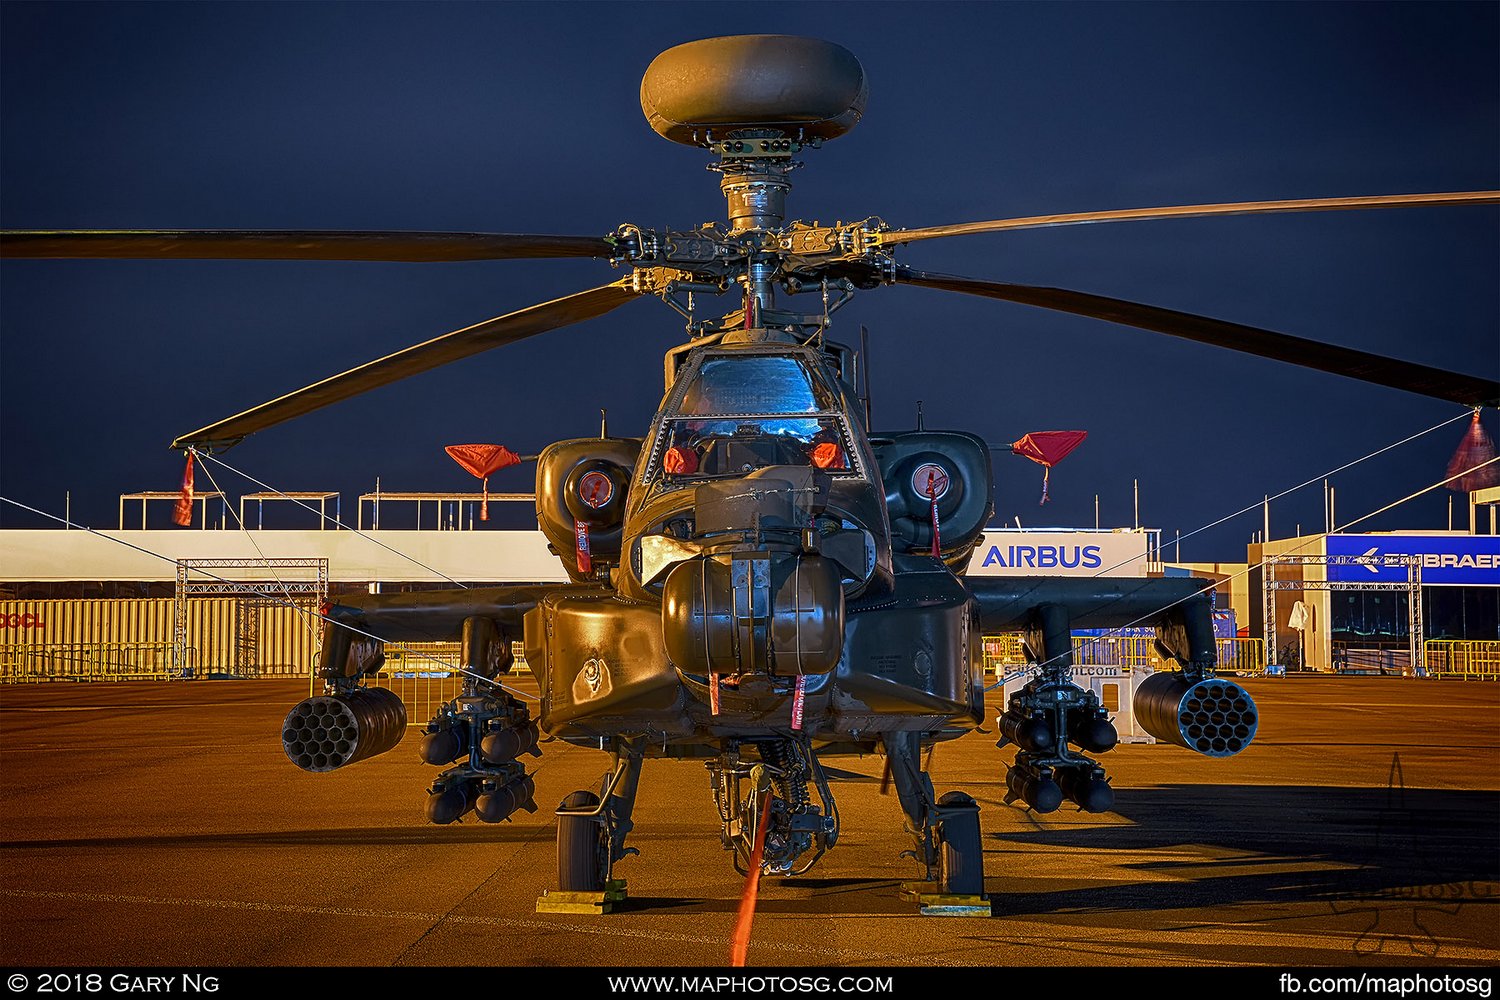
755 383
737 412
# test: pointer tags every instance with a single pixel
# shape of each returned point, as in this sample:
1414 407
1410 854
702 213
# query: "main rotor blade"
230 244
471 340
1194 211
1379 369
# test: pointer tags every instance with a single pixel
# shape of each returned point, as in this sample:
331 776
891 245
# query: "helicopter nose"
754 612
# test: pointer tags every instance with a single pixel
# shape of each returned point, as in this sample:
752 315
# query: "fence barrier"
1466 659
220 636
1004 655
423 675
419 674
32 663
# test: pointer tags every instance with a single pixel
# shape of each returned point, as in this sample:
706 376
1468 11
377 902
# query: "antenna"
920 424
864 364
603 423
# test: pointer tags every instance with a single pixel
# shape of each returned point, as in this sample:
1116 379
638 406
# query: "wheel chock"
593 903
931 903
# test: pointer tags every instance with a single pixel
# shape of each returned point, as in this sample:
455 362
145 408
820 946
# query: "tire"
580 847
961 864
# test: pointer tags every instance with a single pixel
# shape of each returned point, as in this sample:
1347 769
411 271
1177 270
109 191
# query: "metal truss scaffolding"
283 581
1412 585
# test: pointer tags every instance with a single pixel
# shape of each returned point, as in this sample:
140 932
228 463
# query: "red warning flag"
1473 451
799 701
1047 448
480 460
581 546
937 542
182 511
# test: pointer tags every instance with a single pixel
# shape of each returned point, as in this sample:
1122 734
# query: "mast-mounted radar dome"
804 89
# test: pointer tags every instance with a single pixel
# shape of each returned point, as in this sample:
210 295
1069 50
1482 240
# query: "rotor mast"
755 189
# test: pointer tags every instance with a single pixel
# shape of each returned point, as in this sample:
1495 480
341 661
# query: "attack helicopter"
761 581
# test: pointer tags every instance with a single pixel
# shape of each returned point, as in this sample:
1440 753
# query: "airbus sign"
1447 560
1060 553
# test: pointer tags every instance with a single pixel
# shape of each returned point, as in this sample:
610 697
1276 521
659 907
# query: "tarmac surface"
160 824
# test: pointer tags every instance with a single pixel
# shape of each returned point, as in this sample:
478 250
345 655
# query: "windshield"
755 384
698 446
743 412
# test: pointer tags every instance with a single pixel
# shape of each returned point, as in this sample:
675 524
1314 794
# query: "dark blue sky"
525 118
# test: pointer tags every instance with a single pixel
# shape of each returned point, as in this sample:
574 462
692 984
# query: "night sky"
526 118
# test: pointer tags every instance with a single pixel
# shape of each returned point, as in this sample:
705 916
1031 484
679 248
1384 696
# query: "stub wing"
485 619
1047 609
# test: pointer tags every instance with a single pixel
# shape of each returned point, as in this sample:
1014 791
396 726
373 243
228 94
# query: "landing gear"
946 830
591 832
961 864
794 825
582 846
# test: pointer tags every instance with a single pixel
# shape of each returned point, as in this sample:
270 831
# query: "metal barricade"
1243 657
1003 654
1127 652
33 663
425 676
1466 659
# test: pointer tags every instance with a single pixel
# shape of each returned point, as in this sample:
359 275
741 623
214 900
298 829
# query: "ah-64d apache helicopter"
761 580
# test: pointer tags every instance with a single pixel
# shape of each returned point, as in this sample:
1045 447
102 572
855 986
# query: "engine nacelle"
949 467
580 495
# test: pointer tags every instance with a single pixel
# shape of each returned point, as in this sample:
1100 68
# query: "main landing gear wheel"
582 847
961 864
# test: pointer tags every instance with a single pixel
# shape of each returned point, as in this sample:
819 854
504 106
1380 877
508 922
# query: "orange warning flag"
1471 463
1047 448
480 460
182 511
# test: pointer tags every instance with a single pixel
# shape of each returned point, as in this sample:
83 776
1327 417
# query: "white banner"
353 557
1060 553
